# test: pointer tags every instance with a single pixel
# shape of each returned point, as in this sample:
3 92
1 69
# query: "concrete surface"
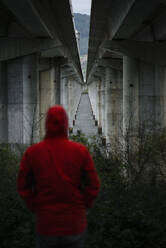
84 119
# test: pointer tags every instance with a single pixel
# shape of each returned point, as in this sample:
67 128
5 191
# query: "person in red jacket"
58 181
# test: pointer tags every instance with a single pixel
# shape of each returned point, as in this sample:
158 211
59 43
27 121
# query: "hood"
56 122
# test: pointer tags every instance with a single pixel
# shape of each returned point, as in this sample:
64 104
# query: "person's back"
58 181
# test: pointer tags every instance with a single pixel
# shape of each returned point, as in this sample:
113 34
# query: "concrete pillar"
70 104
57 82
100 105
130 94
23 100
160 88
107 103
93 95
115 117
64 92
3 104
74 94
144 95
97 100
47 95
90 96
103 105
147 95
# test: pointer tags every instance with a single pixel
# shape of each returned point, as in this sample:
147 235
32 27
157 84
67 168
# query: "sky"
81 6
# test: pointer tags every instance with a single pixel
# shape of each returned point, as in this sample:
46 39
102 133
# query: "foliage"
130 210
16 225
81 138
85 91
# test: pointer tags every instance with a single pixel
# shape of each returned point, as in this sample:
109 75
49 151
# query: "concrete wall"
144 95
23 100
106 99
93 91
3 103
47 95
100 104
57 79
74 95
103 94
26 93
64 92
126 100
113 105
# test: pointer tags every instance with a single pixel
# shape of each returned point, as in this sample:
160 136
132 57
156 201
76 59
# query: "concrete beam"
150 52
23 100
134 15
16 47
46 19
34 16
119 10
116 64
46 94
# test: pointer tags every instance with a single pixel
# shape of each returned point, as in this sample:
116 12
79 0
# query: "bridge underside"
126 72
39 66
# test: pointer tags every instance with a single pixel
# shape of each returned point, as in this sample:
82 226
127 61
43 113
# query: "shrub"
130 210
16 222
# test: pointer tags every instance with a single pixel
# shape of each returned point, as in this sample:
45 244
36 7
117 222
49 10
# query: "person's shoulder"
35 148
78 145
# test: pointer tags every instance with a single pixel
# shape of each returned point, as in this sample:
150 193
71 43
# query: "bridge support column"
3 104
47 95
23 100
103 93
77 91
114 114
64 92
74 95
144 97
107 103
70 104
97 102
100 107
57 82
131 98
160 86
93 95
91 90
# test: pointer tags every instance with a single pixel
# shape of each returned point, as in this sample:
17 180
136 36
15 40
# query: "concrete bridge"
39 66
126 72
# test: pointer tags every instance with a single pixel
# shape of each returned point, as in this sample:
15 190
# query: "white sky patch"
81 6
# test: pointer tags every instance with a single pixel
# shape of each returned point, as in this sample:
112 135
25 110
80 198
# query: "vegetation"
130 210
85 91
16 221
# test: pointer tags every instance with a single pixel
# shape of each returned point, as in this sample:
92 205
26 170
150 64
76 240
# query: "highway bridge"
126 72
40 66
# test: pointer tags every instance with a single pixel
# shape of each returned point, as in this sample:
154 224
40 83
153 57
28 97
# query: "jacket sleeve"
25 182
91 181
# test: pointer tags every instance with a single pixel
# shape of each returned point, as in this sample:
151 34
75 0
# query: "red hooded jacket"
57 179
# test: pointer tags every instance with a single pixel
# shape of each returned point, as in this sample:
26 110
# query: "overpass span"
39 66
127 64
